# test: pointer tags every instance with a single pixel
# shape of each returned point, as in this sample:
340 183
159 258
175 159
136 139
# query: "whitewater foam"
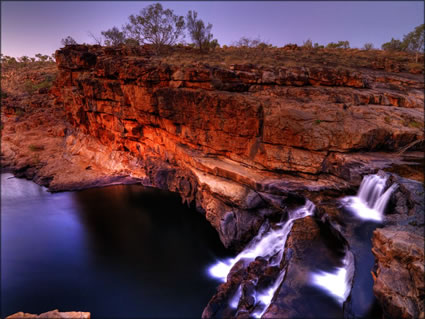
337 283
269 243
371 200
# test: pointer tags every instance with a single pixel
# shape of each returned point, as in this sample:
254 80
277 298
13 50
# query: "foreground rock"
400 274
54 314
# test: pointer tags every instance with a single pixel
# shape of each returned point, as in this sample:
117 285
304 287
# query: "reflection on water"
120 251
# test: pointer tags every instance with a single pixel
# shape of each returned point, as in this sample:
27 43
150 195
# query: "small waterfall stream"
269 243
371 200
337 283
368 205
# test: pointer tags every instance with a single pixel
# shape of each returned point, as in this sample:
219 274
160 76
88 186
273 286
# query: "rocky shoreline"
52 314
242 143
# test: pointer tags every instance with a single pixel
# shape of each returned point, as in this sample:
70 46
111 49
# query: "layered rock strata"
237 141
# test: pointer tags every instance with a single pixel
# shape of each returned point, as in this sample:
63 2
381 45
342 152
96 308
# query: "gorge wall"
239 141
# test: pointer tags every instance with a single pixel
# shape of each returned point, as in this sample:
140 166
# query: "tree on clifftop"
414 41
156 26
200 34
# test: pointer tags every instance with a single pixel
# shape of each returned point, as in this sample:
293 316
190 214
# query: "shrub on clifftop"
368 46
393 45
113 36
339 45
68 41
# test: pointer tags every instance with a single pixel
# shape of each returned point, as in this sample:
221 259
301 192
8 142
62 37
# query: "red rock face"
399 284
256 130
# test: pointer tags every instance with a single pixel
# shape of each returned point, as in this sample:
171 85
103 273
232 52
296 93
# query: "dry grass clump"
295 56
25 88
28 78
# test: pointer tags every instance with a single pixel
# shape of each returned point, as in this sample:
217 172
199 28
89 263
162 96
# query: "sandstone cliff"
238 141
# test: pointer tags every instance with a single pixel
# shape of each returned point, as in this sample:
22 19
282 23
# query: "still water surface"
119 251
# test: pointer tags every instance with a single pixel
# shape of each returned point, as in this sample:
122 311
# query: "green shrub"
368 46
308 44
338 45
414 124
31 87
35 148
46 84
19 112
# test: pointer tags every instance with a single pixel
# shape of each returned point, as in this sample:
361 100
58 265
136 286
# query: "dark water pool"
119 251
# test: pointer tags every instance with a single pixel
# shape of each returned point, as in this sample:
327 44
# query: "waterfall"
371 199
337 283
369 204
265 297
235 299
269 243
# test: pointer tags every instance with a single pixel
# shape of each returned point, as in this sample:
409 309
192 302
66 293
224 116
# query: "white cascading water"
370 202
269 244
337 283
265 297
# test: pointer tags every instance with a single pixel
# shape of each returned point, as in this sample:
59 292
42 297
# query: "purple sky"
34 27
